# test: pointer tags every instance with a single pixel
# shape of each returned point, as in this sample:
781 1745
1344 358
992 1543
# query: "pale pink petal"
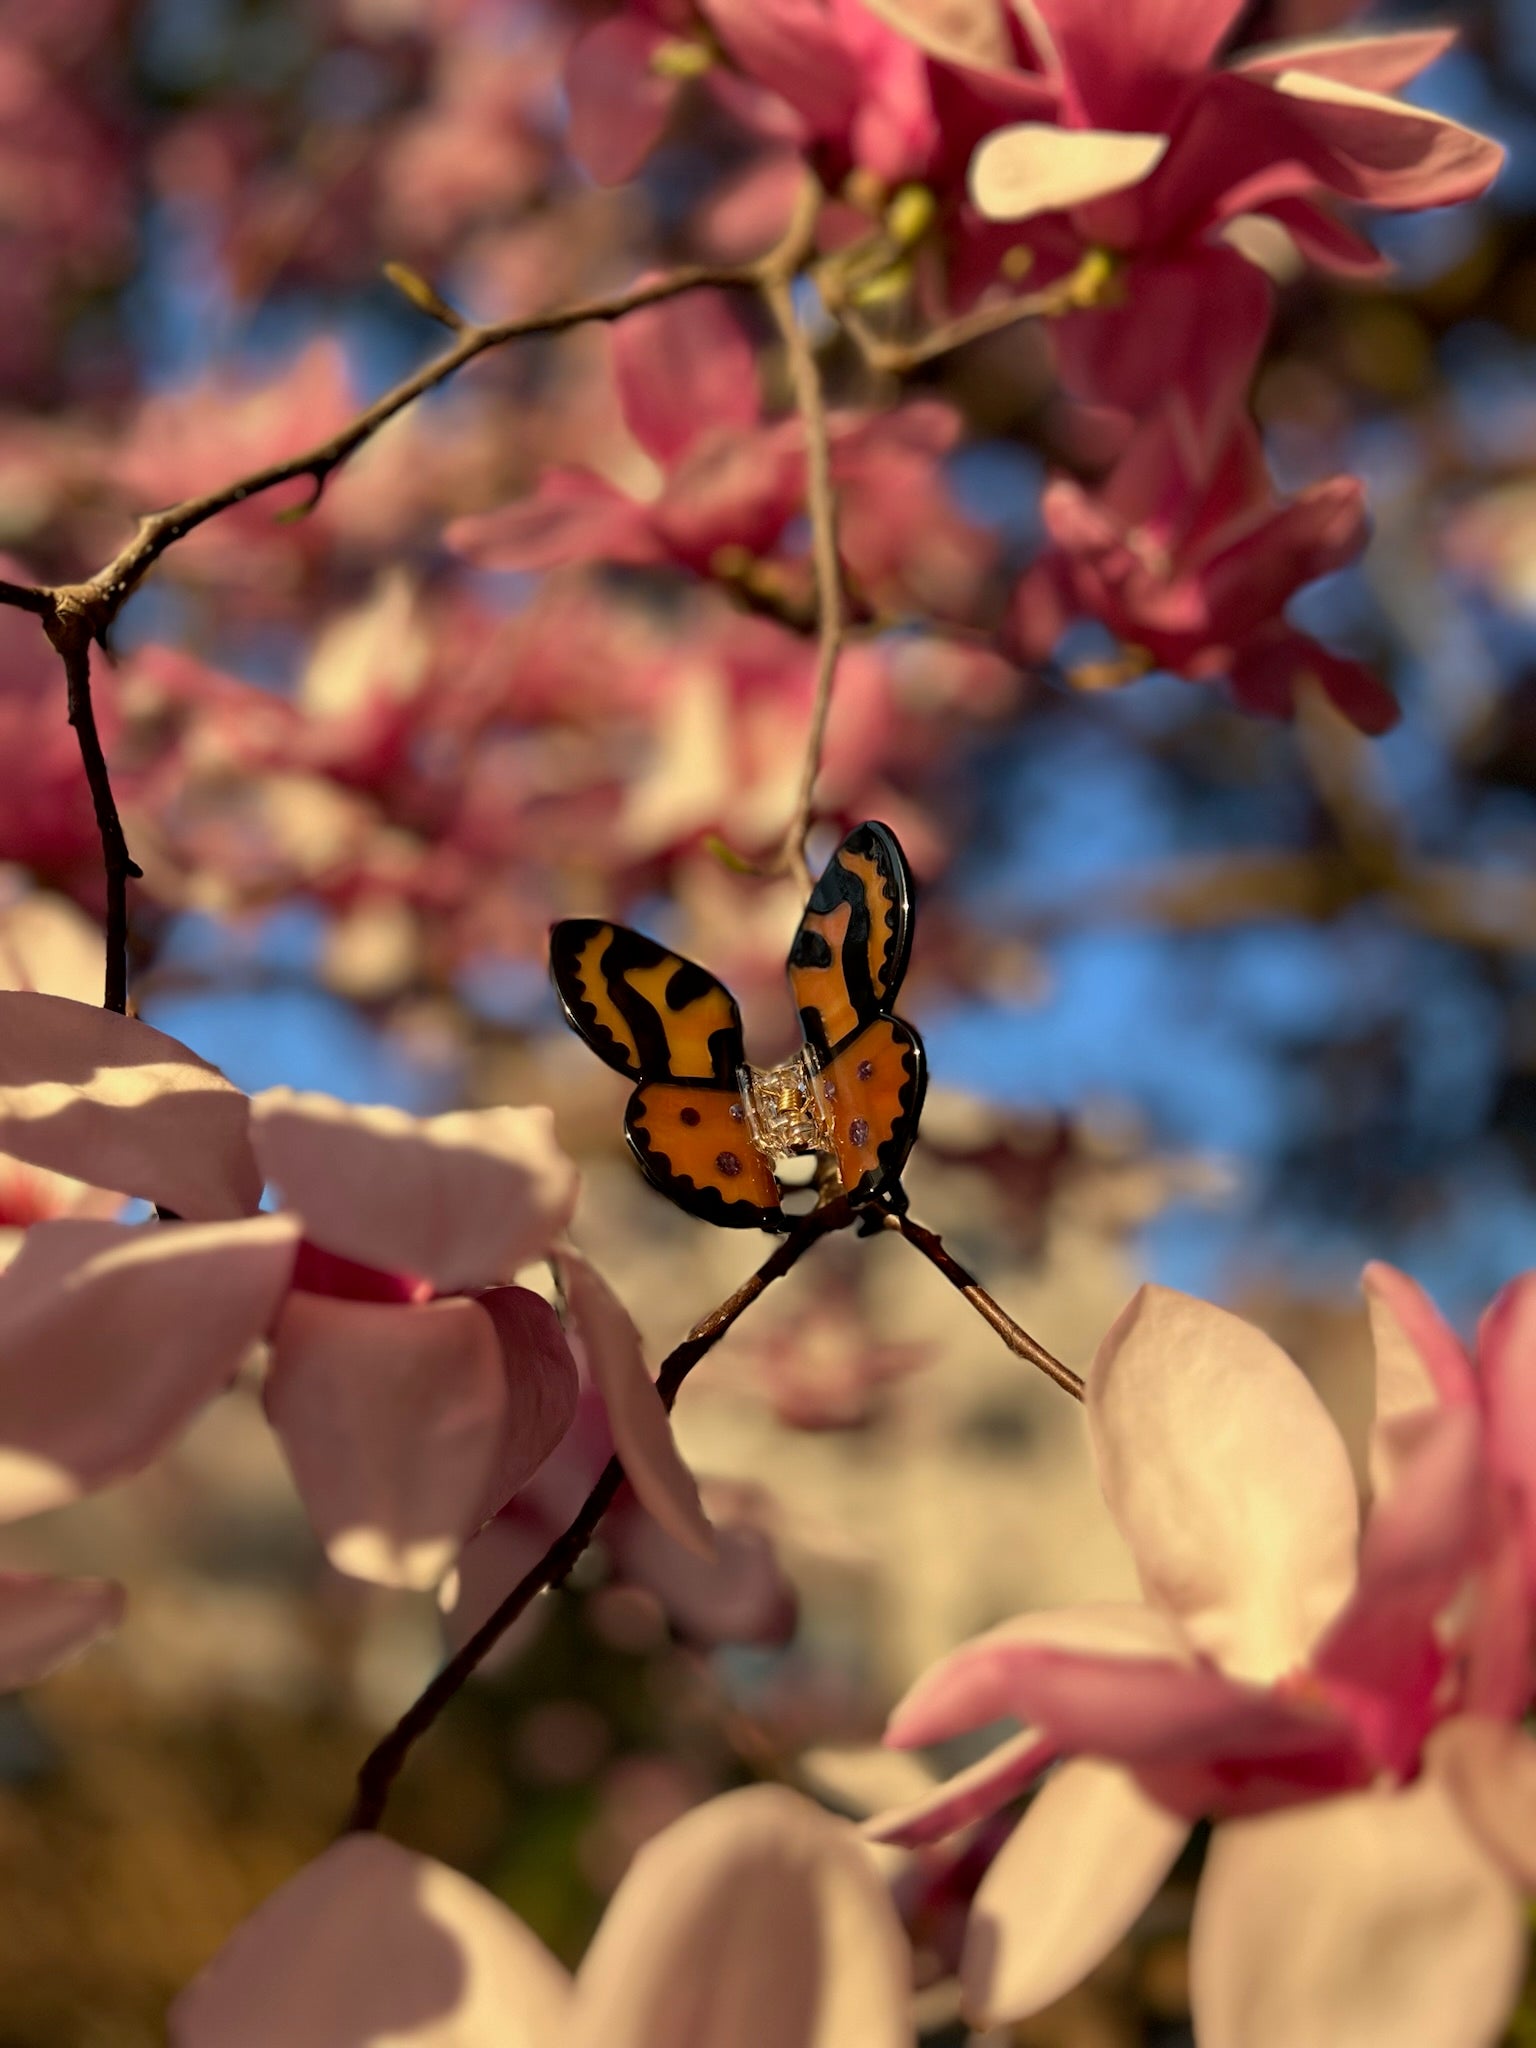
970 1795
1368 1921
620 101
1391 154
574 516
968 32
681 368
755 1919
542 1382
371 1944
393 1420
739 1595
1229 1481
1379 63
45 1622
1071 1880
111 1101
1490 1770
974 1684
460 1200
113 1336
642 1429
1019 173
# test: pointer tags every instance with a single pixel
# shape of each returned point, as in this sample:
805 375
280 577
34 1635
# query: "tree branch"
386 1760
821 503
1018 1339
72 639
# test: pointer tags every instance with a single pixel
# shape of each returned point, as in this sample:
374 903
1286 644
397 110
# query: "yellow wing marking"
689 1029
594 989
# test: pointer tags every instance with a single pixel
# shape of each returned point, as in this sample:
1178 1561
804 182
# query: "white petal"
1229 1481
1021 172
1368 1921
1071 1880
756 1921
460 1200
371 1946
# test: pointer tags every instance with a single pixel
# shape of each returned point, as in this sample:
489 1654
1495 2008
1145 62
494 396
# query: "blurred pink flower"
731 482
1195 574
828 76
756 1918
1151 151
1284 1677
413 1389
45 1622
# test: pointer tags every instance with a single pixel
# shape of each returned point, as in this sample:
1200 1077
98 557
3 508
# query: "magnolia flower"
1194 571
1284 1677
755 1919
1152 151
732 482
413 1387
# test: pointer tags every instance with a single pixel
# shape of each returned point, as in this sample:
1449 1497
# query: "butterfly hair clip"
707 1129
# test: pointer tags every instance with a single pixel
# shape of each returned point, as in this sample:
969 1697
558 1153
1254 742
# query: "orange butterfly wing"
845 968
673 1028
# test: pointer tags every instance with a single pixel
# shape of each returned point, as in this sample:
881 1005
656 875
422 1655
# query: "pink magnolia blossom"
827 76
1152 151
731 482
1289 1675
1194 574
413 1387
755 1918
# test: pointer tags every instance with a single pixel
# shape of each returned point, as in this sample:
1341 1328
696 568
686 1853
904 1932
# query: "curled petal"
460 1200
1379 63
642 1429
1390 154
1489 1768
756 1918
1071 1880
1368 1921
393 1420
970 1795
975 1684
372 1944
1021 172
45 1622
1227 1478
683 367
1420 1361
108 1100
542 1384
113 1336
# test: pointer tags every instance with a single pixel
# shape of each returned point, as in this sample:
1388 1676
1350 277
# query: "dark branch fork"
387 1759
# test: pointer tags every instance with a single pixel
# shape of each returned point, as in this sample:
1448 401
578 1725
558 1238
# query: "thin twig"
1018 1339
72 640
1084 286
74 614
821 503
385 1761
